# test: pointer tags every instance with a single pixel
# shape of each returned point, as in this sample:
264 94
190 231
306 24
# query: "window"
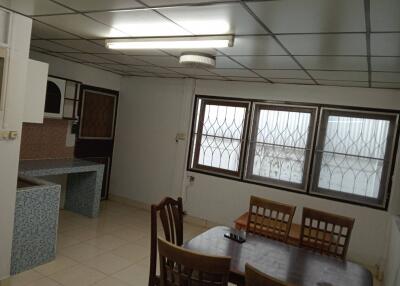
219 136
338 153
280 145
353 155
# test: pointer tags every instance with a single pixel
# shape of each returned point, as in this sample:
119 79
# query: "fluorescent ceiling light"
201 42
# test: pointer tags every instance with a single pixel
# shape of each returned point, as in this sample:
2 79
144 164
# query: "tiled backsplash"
45 141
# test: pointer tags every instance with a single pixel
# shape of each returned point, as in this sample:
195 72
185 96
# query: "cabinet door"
35 94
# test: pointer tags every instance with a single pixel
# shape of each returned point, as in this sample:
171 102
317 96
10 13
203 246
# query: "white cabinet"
35 94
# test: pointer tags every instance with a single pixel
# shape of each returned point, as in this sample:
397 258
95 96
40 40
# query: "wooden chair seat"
294 233
169 214
181 267
326 233
254 277
270 219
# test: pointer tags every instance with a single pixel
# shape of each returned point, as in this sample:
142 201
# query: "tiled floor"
111 250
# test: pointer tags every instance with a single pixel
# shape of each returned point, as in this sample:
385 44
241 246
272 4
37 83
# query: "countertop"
47 167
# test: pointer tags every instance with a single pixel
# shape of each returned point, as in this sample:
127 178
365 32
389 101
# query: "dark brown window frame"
196 149
388 161
319 107
256 109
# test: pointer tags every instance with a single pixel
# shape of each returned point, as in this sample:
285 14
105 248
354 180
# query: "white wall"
9 150
392 273
148 163
85 74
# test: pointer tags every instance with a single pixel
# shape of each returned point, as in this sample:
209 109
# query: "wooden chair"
170 213
326 233
270 219
255 277
181 267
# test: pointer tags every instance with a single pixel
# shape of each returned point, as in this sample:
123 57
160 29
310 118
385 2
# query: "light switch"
180 137
8 135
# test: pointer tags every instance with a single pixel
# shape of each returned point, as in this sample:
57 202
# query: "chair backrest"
254 277
325 232
270 219
180 267
170 213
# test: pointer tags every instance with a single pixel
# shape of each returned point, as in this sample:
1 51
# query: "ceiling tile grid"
325 42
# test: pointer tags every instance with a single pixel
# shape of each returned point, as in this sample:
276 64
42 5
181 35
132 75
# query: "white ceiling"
317 42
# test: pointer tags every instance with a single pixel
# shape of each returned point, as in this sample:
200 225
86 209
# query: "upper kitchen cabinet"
62 98
4 27
35 97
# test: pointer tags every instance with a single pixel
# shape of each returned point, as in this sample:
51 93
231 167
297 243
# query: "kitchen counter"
35 223
84 184
38 203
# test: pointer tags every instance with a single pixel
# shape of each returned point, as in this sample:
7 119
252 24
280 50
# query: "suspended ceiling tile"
343 83
139 23
97 5
293 80
51 46
332 44
82 26
234 72
44 31
119 67
124 59
226 63
35 7
88 58
85 46
207 77
389 64
385 15
139 73
333 63
254 45
214 19
311 16
249 79
299 74
191 71
340 75
386 85
162 61
385 77
156 3
385 44
267 62
158 70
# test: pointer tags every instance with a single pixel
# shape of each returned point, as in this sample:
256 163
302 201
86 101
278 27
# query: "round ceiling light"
196 60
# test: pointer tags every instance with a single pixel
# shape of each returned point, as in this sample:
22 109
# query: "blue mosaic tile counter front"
38 203
35 225
84 185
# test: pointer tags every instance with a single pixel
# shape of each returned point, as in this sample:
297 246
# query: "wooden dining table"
294 265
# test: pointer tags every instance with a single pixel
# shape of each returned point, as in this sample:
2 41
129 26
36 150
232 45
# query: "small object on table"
234 237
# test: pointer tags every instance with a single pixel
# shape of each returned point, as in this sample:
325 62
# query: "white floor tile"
132 252
108 263
107 242
81 252
79 275
61 262
136 275
110 281
23 279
